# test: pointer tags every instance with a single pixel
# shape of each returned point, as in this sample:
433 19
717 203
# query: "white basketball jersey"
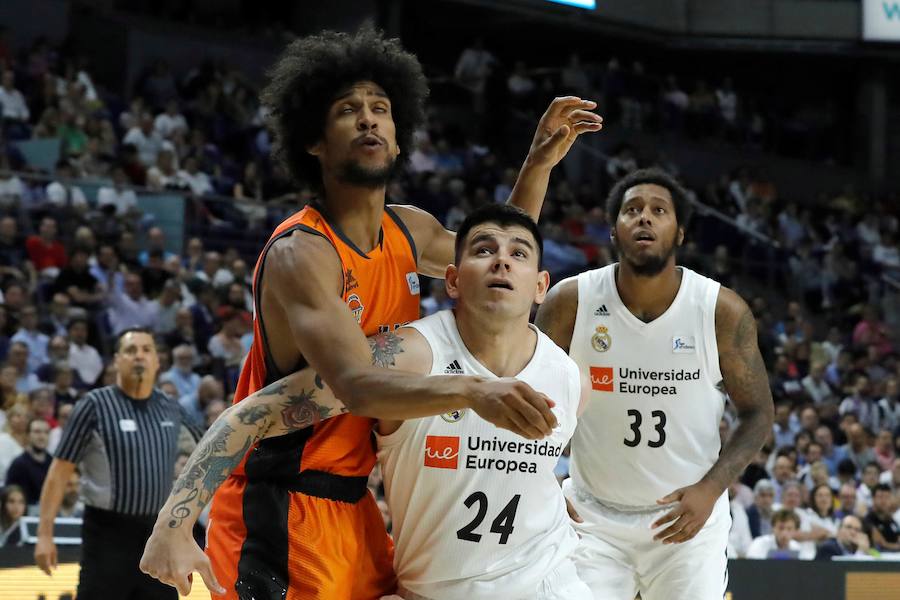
477 512
652 423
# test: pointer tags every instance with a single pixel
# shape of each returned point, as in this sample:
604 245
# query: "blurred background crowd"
85 253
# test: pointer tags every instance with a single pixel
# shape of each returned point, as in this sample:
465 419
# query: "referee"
124 439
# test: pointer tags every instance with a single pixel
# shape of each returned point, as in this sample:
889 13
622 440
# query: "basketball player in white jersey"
476 510
660 343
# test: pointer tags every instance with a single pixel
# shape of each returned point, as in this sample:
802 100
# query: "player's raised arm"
747 383
566 118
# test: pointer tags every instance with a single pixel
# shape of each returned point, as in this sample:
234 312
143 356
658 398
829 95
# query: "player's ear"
451 280
543 286
680 235
315 149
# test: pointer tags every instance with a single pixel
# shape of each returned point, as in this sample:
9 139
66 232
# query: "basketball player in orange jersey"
295 519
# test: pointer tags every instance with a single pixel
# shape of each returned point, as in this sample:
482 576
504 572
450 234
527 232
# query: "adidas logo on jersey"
601 312
453 368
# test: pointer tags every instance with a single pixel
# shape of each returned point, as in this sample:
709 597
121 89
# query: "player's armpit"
746 381
556 315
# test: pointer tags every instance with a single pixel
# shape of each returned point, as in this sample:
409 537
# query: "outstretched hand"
566 118
694 505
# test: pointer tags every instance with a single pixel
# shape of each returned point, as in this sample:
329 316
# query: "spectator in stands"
870 330
857 447
14 435
31 336
849 540
831 454
26 381
474 66
780 543
42 406
118 196
885 531
784 428
107 270
859 401
194 179
884 450
57 350
821 509
213 410
888 407
14 261
12 508
891 478
727 101
170 122
71 506
759 514
783 472
56 319
62 193
130 308
78 283
156 240
167 306
182 373
808 533
225 346
145 139
83 357
847 504
29 469
64 411
814 384
63 380
14 108
203 314
44 250
866 488
196 403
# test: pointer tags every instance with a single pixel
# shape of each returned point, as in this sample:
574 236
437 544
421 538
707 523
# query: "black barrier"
747 579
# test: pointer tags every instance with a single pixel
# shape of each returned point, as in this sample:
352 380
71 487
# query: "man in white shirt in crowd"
780 543
15 111
147 141
83 357
815 385
196 180
170 121
118 194
130 308
60 192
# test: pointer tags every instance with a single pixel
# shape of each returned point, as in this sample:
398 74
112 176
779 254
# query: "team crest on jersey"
454 416
601 340
356 306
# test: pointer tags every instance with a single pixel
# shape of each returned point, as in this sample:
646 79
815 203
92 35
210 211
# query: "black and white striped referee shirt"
125 449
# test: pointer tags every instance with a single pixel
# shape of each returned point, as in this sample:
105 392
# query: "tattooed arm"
747 383
745 379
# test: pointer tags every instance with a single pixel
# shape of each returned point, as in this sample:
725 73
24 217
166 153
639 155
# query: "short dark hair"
656 176
75 320
784 515
504 215
122 335
881 487
313 70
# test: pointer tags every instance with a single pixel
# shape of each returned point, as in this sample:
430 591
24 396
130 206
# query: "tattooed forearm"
301 410
212 461
385 346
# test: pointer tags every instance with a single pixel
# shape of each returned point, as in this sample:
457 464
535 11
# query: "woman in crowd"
12 509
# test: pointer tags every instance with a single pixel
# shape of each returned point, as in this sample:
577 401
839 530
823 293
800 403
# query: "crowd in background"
74 272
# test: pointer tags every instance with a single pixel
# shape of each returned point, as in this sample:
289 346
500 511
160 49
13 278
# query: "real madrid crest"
601 340
454 415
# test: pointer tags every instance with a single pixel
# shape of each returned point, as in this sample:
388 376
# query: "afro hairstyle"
313 70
